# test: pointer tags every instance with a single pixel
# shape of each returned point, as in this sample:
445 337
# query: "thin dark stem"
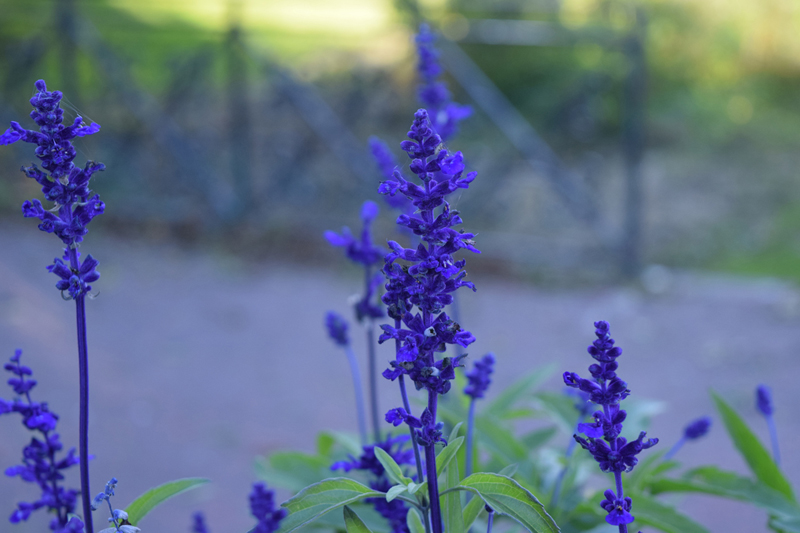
623 528
83 368
491 520
430 462
373 371
362 421
407 406
373 385
470 432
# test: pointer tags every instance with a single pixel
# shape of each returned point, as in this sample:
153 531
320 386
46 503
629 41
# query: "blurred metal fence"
267 149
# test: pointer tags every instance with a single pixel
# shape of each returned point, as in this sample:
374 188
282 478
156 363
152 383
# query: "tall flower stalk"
67 186
695 430
613 453
363 252
764 405
479 381
425 278
337 331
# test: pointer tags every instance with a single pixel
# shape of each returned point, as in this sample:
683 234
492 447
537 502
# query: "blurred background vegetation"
673 125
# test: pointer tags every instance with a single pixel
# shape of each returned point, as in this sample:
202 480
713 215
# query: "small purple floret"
479 378
262 507
698 428
764 400
337 328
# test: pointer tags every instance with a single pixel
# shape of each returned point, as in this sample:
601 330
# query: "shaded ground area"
199 363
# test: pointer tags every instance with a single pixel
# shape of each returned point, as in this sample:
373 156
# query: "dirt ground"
200 362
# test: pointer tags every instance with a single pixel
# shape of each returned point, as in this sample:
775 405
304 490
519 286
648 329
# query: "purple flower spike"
445 115
612 452
359 251
479 378
262 507
199 523
698 428
764 400
337 328
40 464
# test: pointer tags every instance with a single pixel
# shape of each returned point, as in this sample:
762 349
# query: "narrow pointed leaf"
662 517
321 498
353 523
447 454
145 503
393 470
414 522
454 432
501 405
395 491
451 502
757 457
508 497
472 510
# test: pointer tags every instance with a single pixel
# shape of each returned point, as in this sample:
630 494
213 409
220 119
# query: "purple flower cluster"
425 278
39 463
199 523
337 328
697 429
394 511
62 183
613 453
479 378
434 95
262 507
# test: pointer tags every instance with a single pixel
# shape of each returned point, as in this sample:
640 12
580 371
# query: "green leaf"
323 497
395 491
451 502
414 522
754 453
454 432
353 523
145 503
413 488
561 408
471 511
499 440
785 525
393 470
712 480
508 497
509 470
293 470
501 405
662 517
447 454
537 438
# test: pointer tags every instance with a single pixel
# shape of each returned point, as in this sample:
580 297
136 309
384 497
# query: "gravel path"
200 362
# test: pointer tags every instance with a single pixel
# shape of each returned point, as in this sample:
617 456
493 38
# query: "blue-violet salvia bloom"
698 428
118 518
40 464
394 511
362 250
614 453
199 523
62 183
434 95
764 405
262 507
337 328
425 277
480 377
764 400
